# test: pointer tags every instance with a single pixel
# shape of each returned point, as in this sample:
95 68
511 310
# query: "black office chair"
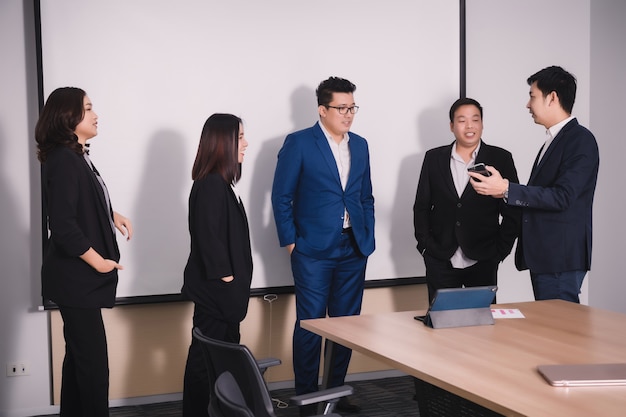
228 400
221 357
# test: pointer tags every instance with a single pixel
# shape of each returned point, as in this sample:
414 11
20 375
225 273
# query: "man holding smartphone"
463 236
555 238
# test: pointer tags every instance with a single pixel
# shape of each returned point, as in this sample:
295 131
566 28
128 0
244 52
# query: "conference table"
494 366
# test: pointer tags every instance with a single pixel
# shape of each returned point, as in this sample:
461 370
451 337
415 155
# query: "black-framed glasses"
345 110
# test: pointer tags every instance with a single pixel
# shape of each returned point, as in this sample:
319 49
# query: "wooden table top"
495 366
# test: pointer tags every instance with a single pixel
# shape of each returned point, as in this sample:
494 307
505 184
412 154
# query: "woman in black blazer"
219 269
80 262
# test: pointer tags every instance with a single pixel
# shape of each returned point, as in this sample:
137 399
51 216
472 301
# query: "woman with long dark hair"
219 270
80 263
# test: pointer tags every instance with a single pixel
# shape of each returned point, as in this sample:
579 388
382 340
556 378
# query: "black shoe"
346 406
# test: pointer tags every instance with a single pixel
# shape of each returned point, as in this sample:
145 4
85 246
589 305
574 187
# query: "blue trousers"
333 287
558 285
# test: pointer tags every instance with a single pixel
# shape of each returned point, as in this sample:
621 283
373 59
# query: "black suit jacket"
78 218
557 204
444 221
220 246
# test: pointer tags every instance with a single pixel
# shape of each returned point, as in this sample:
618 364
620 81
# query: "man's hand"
493 185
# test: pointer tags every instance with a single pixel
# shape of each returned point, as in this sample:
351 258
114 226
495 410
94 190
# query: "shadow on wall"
274 260
160 244
431 128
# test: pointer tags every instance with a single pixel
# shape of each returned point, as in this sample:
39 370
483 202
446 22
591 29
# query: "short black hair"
556 79
464 101
332 85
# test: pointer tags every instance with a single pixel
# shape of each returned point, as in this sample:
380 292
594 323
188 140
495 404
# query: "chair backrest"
238 360
229 397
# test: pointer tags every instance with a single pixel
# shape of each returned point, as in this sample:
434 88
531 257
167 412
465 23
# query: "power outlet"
18 368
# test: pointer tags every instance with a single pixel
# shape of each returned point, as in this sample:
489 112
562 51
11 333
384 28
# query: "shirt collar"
455 154
554 130
346 136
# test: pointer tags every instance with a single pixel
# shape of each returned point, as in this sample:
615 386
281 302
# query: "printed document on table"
506 313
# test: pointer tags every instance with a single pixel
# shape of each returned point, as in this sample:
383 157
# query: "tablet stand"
459 318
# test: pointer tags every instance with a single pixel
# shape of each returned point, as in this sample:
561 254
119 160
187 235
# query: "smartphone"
480 169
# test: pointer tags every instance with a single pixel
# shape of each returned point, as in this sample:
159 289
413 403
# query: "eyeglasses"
345 110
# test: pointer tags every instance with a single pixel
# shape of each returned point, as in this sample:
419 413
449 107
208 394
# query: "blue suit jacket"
308 199
557 204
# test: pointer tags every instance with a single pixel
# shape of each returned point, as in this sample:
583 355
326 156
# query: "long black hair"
218 149
58 119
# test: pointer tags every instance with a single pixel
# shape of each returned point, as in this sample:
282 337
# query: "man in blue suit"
324 212
555 239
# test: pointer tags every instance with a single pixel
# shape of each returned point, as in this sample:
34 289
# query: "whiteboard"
156 69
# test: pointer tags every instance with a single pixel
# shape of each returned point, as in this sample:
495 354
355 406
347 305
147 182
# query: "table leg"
329 356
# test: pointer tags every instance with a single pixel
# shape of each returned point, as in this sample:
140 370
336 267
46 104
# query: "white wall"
506 43
23 330
608 93
599 63
150 122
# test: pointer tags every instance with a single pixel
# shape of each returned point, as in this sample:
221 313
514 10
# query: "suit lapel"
483 156
107 211
243 211
443 166
326 152
237 201
91 172
536 164
357 160
553 145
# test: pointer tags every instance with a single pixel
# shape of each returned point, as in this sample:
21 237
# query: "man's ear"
554 98
322 110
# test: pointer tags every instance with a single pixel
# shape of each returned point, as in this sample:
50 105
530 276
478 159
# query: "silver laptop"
584 375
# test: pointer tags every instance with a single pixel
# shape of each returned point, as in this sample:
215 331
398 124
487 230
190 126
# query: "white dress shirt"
341 152
458 167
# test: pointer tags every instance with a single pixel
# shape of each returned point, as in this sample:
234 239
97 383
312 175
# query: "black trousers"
85 377
441 274
196 385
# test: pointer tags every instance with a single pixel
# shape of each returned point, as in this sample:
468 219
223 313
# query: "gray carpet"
377 398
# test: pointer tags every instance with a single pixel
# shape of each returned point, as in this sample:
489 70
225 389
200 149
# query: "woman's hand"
108 265
228 278
97 262
123 224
